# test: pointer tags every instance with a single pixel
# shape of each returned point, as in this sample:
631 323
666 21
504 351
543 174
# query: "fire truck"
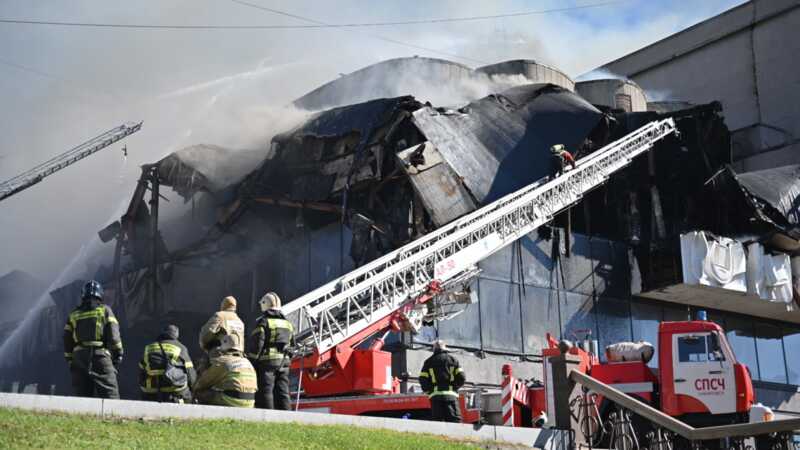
341 325
698 379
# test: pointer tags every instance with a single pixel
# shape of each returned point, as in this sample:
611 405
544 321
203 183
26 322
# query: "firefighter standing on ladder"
561 157
92 345
267 348
441 378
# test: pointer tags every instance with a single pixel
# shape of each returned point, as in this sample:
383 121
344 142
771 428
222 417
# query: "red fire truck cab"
698 379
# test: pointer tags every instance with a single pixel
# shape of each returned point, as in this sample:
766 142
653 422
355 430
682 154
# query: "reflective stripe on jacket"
152 367
270 338
441 375
92 325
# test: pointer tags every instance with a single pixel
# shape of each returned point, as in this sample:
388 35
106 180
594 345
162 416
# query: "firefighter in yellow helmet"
224 322
92 345
561 158
267 348
230 379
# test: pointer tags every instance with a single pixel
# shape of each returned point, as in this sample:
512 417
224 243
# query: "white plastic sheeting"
723 262
713 261
769 275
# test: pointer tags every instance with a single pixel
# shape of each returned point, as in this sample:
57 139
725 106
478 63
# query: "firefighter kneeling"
230 379
441 378
166 371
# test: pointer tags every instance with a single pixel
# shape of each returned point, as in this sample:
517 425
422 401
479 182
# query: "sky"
61 86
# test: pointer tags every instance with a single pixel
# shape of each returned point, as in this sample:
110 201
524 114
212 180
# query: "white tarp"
723 262
769 276
713 261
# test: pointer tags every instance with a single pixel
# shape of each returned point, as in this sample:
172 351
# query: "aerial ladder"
88 148
413 284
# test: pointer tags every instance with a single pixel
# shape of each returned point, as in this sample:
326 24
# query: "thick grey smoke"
61 86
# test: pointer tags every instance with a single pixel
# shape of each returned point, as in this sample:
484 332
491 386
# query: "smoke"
600 74
229 88
659 95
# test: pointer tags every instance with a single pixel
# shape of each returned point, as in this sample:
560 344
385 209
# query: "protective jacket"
92 325
92 346
152 367
272 335
220 324
230 380
441 375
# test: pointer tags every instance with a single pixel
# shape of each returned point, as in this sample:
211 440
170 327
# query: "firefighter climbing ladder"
94 145
350 304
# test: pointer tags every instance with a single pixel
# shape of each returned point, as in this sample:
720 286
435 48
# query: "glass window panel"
536 261
769 346
498 266
791 342
578 267
692 349
577 316
740 335
500 316
463 330
675 313
614 322
646 318
540 316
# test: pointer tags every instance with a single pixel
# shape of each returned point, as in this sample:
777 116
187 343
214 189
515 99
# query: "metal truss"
35 175
348 305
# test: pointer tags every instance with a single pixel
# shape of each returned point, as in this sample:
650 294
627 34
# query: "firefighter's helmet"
92 289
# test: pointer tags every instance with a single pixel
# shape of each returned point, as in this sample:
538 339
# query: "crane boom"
37 174
355 304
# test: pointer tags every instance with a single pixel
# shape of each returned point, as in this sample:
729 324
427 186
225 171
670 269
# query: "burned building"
381 166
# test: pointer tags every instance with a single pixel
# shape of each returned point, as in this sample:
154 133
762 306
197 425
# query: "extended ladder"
350 304
35 175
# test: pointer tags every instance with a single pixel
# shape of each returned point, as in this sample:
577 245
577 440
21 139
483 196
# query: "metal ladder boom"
36 174
350 304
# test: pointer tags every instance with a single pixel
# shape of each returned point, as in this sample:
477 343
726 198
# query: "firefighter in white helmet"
267 348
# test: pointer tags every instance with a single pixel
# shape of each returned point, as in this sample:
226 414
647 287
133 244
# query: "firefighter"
92 345
230 379
268 350
441 378
561 157
166 372
223 322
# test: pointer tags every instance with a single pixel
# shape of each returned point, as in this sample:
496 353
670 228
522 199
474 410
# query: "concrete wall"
747 59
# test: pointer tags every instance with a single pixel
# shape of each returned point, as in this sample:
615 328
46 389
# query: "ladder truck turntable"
418 282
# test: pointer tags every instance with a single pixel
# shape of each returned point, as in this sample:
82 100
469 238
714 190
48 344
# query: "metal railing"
666 430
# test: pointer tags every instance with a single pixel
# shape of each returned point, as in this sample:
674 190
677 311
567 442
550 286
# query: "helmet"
92 289
228 304
439 345
270 300
557 148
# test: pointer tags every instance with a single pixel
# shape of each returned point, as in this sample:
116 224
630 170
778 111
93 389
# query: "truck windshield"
700 348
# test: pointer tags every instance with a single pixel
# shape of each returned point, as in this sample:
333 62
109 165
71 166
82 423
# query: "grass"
25 429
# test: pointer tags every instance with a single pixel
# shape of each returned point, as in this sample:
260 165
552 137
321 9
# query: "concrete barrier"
544 439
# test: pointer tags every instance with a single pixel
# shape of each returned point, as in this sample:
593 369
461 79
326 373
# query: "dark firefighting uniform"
152 382
92 347
441 378
267 346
